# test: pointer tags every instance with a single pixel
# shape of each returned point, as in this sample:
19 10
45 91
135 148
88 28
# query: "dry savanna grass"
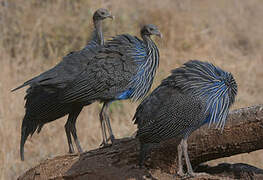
35 35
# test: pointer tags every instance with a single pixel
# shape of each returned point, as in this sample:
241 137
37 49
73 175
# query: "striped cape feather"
147 58
216 86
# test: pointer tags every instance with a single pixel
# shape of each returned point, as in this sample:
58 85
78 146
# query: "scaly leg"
190 171
70 129
180 171
70 145
187 160
107 120
102 124
73 119
144 151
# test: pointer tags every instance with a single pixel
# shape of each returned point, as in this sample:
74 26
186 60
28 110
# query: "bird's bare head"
150 29
101 14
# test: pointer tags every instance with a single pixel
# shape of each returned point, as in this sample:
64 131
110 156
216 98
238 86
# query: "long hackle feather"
147 66
207 81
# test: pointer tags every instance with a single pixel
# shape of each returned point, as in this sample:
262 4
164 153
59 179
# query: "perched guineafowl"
42 105
123 69
193 95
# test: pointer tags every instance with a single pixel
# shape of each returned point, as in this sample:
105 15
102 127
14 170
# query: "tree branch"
243 133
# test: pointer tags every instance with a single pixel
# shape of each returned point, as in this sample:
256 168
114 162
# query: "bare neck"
98 31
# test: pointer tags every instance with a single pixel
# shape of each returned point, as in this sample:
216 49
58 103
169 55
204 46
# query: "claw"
193 174
111 138
189 175
180 174
71 151
104 144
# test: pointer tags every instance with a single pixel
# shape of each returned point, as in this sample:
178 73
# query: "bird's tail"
28 128
19 87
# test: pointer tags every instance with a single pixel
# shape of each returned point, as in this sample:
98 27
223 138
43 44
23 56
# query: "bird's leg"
107 119
102 124
134 135
73 117
67 129
186 157
144 150
190 171
180 171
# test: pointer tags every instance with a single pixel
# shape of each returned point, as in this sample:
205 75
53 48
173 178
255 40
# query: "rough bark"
243 133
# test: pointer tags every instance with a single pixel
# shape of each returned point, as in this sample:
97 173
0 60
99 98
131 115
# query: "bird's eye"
151 29
102 13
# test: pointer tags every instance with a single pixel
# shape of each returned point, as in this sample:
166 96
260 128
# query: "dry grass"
34 35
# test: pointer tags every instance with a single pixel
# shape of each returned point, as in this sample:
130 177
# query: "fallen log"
243 133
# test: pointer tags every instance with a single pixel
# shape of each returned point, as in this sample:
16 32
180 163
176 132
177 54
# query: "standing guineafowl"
123 69
71 66
193 95
42 105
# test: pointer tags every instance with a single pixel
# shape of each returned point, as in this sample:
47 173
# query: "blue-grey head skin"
97 37
101 14
42 104
149 30
194 94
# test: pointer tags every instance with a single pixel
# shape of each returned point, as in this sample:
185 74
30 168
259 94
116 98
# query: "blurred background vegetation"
36 34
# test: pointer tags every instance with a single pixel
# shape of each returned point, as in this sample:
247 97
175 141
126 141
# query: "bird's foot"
116 141
180 174
112 139
104 144
71 150
134 135
189 175
80 150
193 174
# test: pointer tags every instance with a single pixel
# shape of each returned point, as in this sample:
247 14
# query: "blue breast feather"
138 53
125 95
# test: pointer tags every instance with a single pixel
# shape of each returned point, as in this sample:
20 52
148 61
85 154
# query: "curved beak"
111 16
159 34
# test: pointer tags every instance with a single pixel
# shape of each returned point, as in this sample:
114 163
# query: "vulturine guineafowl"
193 95
70 66
42 105
123 69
